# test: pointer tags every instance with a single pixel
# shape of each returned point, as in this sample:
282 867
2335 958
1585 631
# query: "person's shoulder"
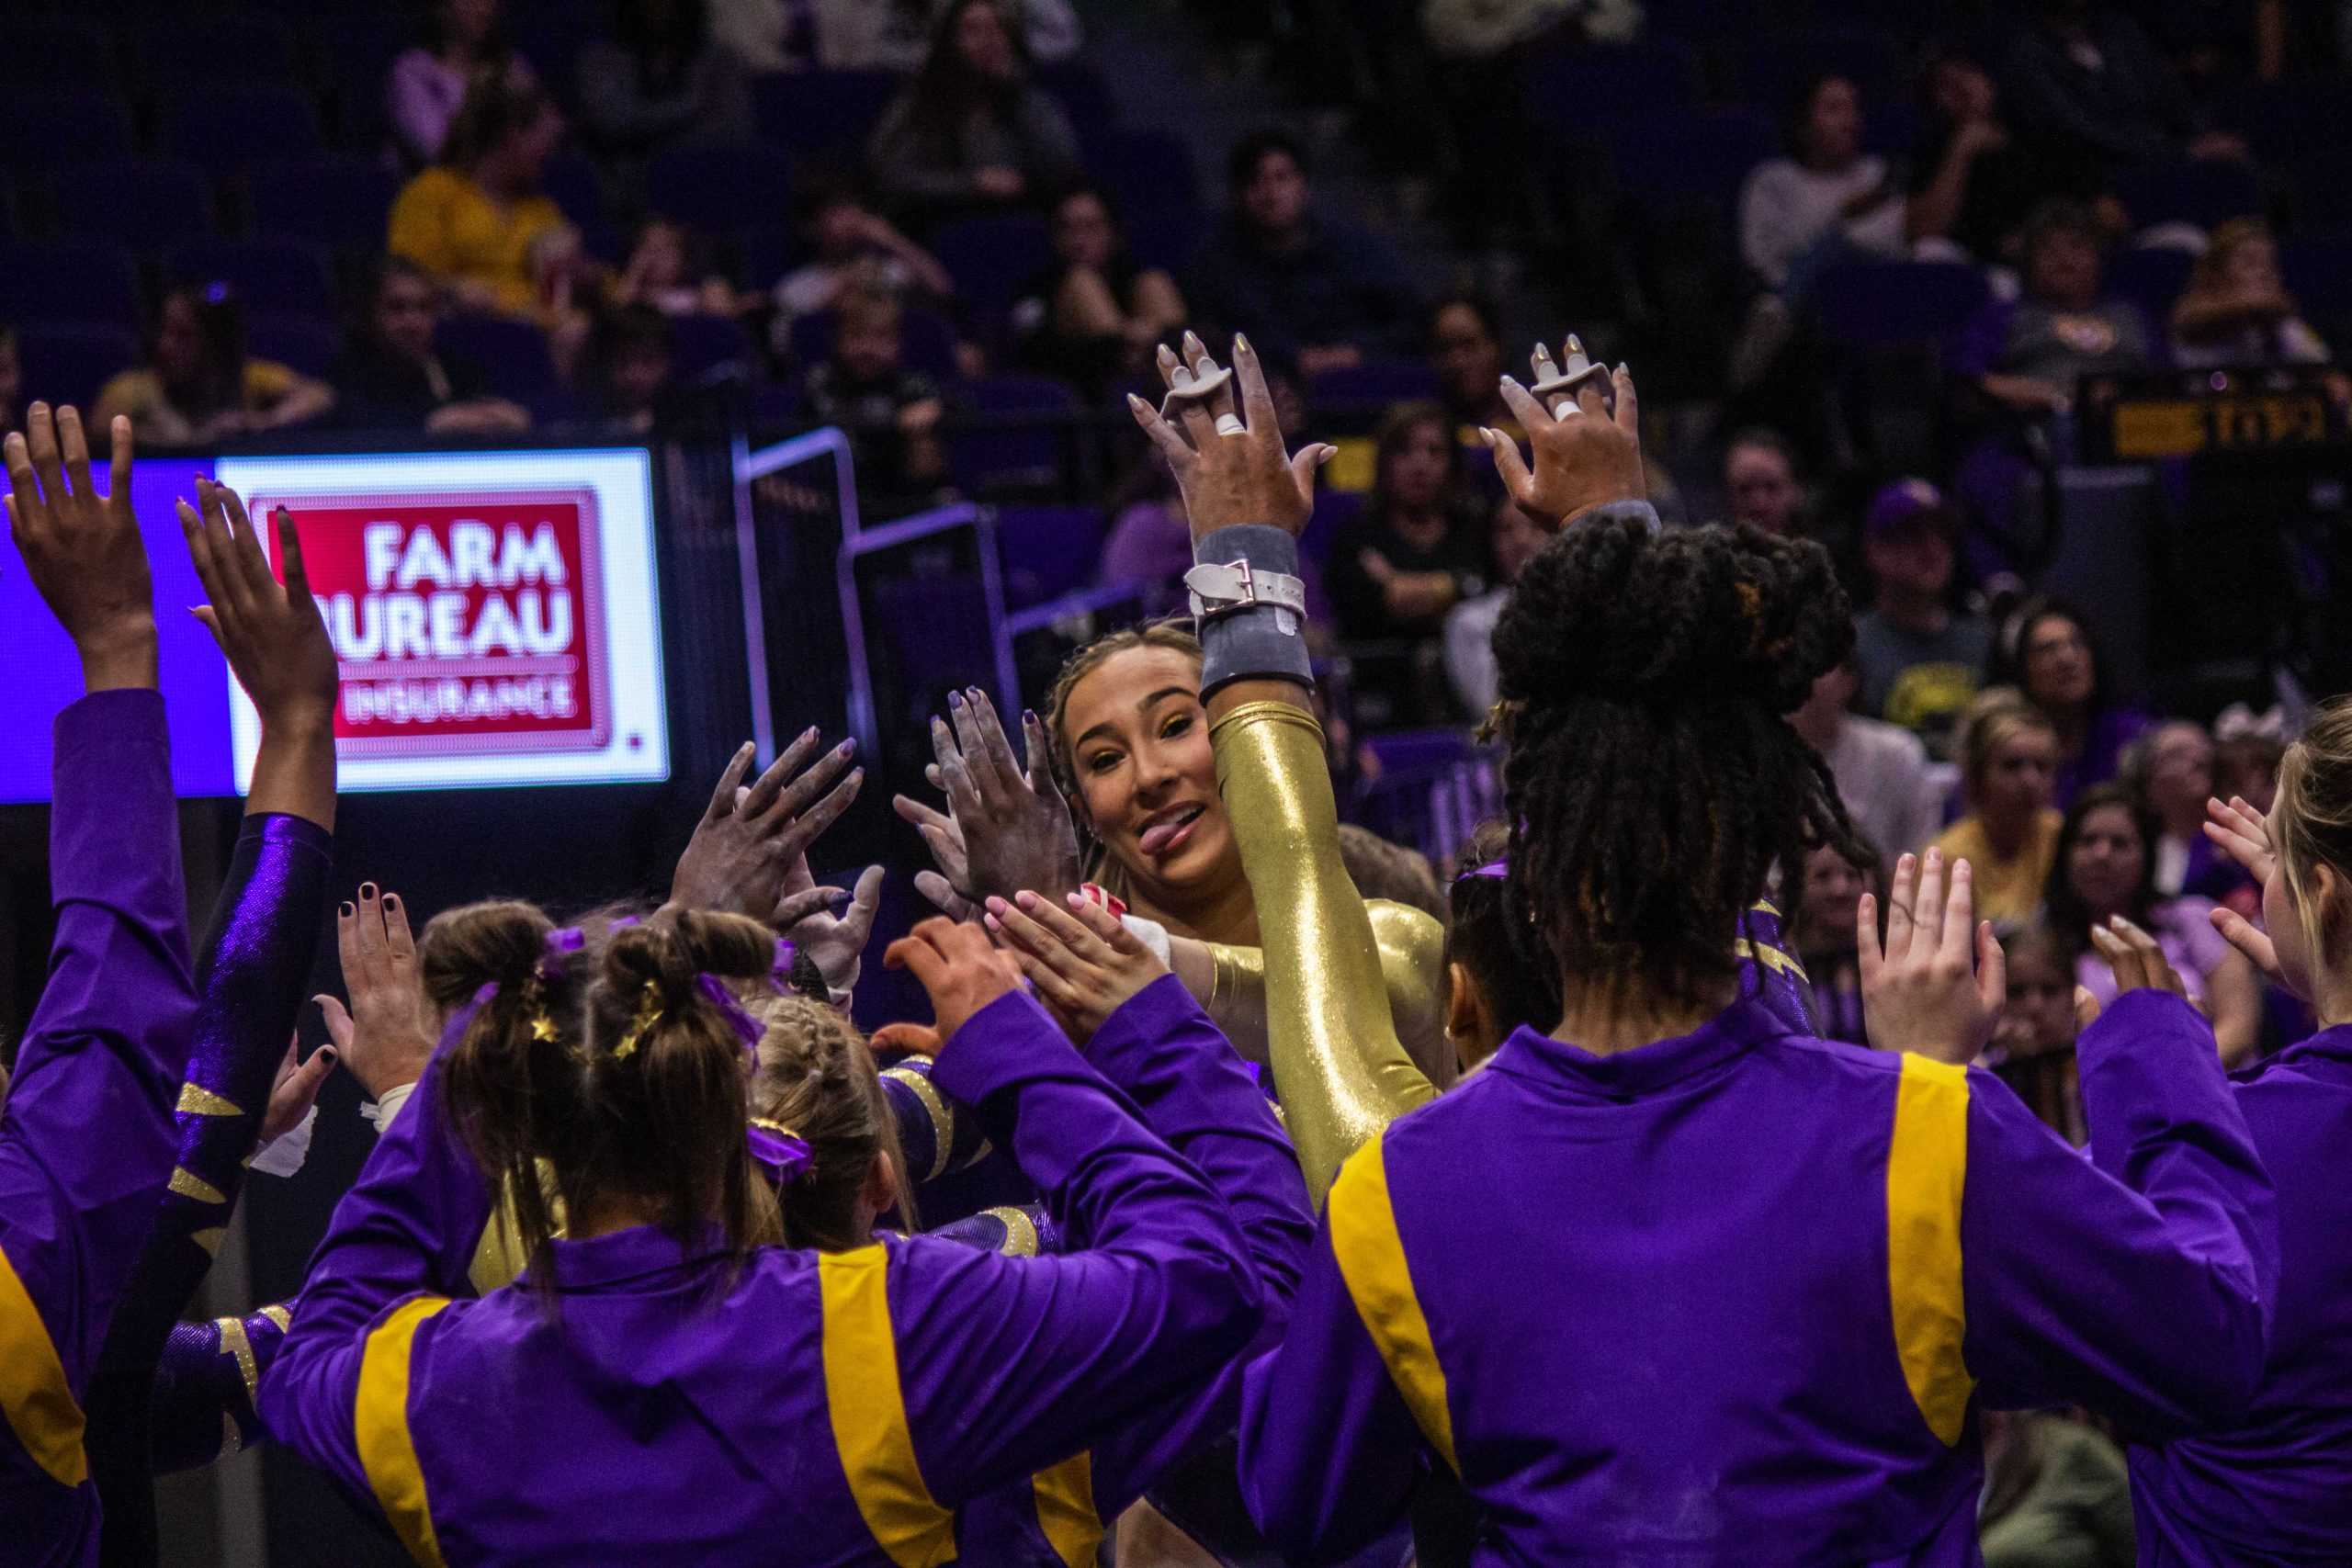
134 389
1890 741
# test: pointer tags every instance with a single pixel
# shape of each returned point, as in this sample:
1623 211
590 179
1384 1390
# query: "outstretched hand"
835 942
2238 831
1084 962
961 969
295 1090
1586 457
1229 456
2139 964
81 549
750 848
1920 992
271 633
1007 826
384 1039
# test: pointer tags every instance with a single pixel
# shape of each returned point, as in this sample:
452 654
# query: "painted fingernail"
1026 899
347 911
1241 344
366 890
1029 716
955 699
846 748
994 902
808 734
1136 404
325 1054
392 900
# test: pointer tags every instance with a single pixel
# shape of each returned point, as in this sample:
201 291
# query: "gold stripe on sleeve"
234 1343
1065 1497
197 1101
379 1429
1371 1262
1927 1169
869 1413
943 1117
34 1395
188 1184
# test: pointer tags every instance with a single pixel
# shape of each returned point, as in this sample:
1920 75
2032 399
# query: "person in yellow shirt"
478 220
199 385
2008 761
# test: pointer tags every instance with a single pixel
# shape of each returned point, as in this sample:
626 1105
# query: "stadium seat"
1147 170
87 281
2319 273
226 47
702 345
234 128
1665 159
1374 385
1017 439
821 111
992 257
1871 304
1079 87
140 201
1334 510
52 53
329 201
304 343
268 274
45 129
68 362
513 353
1610 81
720 188
1047 551
1869 57
2203 191
572 180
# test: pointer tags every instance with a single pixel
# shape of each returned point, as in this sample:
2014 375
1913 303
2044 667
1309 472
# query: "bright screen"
496 616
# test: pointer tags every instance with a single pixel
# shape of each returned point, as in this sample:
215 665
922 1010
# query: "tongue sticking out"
1160 837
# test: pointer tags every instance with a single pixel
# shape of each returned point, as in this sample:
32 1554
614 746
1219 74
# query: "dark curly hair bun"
1612 610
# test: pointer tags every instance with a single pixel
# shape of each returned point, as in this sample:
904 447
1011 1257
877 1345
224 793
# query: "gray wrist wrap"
1264 642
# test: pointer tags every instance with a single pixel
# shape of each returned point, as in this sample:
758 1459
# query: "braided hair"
1653 780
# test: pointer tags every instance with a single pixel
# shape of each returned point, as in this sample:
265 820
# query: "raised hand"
1920 992
1083 960
1008 826
385 1038
2139 964
271 633
2238 831
751 839
1229 457
836 943
1586 457
81 549
295 1090
958 966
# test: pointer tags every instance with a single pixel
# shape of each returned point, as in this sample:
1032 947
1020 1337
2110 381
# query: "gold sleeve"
1412 966
1341 1070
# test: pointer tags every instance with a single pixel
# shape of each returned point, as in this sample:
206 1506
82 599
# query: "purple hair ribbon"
1494 868
561 945
780 972
742 1022
484 992
778 1149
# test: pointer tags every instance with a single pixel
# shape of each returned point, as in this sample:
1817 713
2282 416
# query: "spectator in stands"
852 246
895 35
1470 626
1823 932
890 413
2247 750
12 377
1881 770
2094 97
2034 1043
2170 771
1921 660
392 378
660 81
2044 649
1151 541
2027 355
2009 837
671 271
1829 198
629 364
1465 349
478 221
2237 309
1396 872
1973 183
1094 316
1313 293
2104 869
199 384
1760 482
972 132
463 39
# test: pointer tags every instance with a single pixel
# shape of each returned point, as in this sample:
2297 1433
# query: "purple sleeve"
86 1141
409 1227
2137 1282
1163 1051
1329 1451
1059 1352
417 114
204 1388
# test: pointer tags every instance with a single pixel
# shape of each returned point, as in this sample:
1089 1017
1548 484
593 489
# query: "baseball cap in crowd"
1905 503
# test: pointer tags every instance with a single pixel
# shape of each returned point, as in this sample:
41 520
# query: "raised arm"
1164 1294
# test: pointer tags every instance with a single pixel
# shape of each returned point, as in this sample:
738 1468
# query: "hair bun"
1614 610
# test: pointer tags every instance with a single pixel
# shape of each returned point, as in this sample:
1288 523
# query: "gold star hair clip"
648 1012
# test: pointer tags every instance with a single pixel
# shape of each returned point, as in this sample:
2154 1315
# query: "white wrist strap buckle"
1230 589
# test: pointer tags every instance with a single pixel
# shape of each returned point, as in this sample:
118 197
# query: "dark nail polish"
348 911
955 699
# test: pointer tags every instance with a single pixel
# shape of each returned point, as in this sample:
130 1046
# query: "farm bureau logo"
462 622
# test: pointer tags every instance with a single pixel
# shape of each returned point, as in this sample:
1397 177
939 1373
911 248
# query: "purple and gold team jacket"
87 1139
837 1408
2275 1488
1732 1296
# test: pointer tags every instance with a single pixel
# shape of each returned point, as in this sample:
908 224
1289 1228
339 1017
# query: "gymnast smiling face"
1137 740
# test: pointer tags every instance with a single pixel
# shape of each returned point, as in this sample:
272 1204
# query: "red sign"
462 622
